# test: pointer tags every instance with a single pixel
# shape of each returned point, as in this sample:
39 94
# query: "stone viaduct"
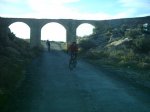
36 25
69 24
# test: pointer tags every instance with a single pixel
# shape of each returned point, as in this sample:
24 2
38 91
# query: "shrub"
11 36
87 44
92 54
142 45
132 33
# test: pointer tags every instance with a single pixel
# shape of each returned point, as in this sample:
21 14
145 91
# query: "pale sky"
75 9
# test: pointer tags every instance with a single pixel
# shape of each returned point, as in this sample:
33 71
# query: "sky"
75 9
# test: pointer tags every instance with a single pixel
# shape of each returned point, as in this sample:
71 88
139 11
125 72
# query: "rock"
119 42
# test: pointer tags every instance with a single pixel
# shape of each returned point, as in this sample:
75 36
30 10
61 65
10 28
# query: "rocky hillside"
124 46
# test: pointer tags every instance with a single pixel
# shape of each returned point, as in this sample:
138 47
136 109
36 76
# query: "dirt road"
51 87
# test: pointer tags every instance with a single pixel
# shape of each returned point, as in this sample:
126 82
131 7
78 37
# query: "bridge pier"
71 36
71 32
35 35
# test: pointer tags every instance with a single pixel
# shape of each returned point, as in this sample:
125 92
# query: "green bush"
11 36
132 33
97 54
142 45
87 44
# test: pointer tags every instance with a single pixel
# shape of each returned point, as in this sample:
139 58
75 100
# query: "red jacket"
73 48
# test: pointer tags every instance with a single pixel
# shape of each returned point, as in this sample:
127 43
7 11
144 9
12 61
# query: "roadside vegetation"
15 54
122 48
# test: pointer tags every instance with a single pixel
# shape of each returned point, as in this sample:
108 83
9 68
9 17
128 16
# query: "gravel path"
51 87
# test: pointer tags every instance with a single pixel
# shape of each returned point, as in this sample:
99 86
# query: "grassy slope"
14 56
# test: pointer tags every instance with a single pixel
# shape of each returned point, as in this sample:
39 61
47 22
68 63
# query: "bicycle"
72 62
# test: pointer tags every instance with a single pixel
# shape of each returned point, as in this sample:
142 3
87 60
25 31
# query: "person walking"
48 44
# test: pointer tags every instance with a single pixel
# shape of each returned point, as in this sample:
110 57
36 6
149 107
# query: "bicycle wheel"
71 64
74 63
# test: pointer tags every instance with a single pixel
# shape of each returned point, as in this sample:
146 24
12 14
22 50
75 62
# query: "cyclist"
73 49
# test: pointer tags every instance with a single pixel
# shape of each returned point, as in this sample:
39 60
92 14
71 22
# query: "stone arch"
58 26
17 20
36 24
22 27
86 25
